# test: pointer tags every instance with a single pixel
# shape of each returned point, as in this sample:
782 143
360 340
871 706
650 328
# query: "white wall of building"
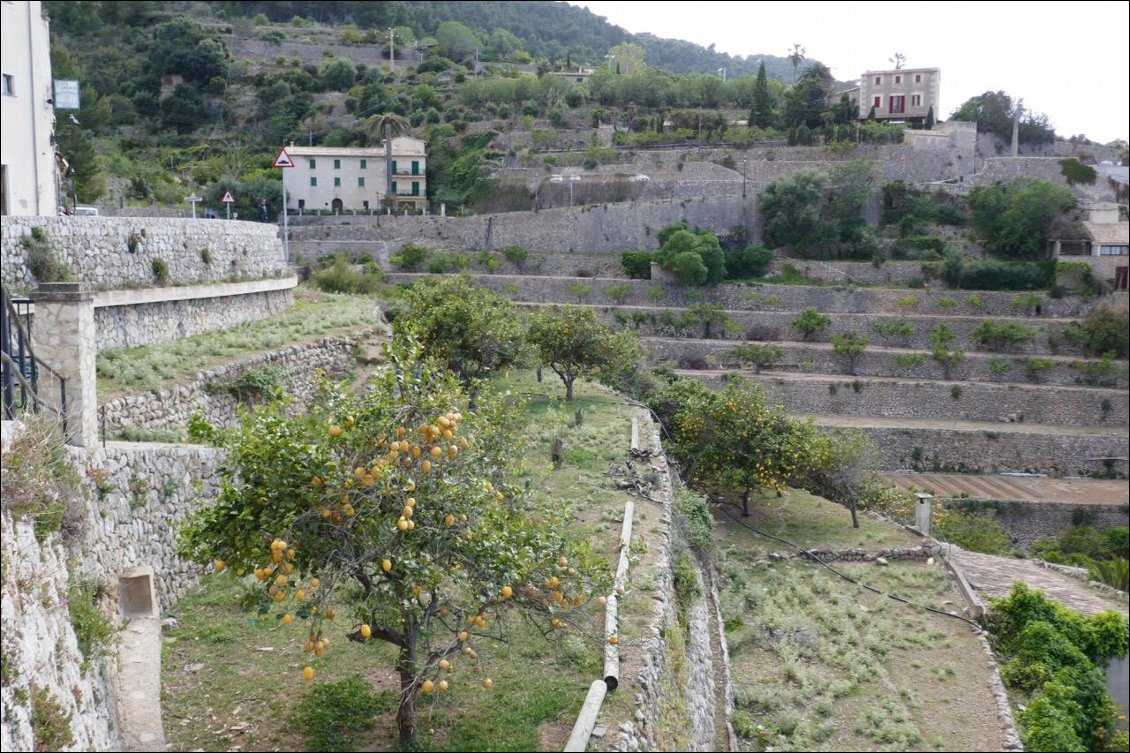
28 117
355 177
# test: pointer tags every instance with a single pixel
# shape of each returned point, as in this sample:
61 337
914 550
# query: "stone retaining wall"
818 358
170 408
1027 522
41 654
119 252
929 399
774 326
769 297
127 318
949 450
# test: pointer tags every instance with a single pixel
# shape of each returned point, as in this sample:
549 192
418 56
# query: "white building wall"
322 175
28 118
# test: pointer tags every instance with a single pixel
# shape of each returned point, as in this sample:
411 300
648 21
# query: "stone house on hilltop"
905 94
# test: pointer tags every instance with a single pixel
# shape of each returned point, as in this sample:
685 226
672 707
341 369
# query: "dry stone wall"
119 252
949 450
818 358
768 297
42 662
169 408
934 400
1027 522
148 322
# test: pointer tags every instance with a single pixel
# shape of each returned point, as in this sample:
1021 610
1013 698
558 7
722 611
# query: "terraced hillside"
980 382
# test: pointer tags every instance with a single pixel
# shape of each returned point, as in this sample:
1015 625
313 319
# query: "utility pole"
392 48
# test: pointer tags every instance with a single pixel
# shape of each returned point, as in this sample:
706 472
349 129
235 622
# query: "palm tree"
388 124
899 60
796 57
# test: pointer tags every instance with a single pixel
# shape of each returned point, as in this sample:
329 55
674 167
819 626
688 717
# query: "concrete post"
923 512
63 337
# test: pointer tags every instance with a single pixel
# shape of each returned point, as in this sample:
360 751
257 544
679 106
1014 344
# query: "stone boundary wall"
934 400
141 494
770 297
772 326
169 408
818 358
41 653
858 272
596 228
119 252
950 450
1027 522
127 318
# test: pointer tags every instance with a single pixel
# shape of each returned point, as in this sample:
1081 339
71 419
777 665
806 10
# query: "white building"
343 178
27 157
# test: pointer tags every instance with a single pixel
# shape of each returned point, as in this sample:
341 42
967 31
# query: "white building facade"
344 178
28 185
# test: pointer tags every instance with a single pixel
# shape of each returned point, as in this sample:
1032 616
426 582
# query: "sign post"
283 160
192 199
227 201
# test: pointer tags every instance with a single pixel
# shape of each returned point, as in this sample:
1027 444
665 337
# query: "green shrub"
618 292
410 257
910 360
333 716
161 271
1106 329
1002 275
516 255
1075 172
94 630
1002 335
636 264
977 532
810 322
42 260
750 261
999 366
343 277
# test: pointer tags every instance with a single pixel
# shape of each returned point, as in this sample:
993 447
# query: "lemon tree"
731 441
474 331
573 342
395 510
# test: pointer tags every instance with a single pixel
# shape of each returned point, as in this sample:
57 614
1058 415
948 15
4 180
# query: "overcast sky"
1066 60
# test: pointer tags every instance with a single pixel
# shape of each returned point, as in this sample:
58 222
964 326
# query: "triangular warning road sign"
228 198
283 160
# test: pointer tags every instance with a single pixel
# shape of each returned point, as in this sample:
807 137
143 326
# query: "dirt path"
1068 491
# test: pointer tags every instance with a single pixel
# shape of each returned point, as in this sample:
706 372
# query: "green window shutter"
364 164
392 190
337 182
337 164
360 182
415 167
394 167
313 180
313 163
415 188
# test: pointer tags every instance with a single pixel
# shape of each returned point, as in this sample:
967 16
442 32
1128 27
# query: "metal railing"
20 370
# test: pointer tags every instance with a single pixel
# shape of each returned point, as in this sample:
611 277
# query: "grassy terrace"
819 663
313 315
233 678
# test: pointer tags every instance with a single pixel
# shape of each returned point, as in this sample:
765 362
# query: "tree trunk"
406 713
472 399
569 388
538 371
745 503
854 515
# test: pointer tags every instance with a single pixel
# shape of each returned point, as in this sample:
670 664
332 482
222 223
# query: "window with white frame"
1106 250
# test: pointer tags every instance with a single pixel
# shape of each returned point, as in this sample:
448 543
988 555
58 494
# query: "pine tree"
761 115
930 119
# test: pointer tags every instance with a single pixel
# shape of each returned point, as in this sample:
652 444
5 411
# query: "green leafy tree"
574 343
733 443
757 355
1014 218
473 331
993 112
810 322
792 207
762 113
398 510
849 347
806 102
456 41
944 349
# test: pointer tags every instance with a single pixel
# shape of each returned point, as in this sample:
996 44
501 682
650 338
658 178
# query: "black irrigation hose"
847 577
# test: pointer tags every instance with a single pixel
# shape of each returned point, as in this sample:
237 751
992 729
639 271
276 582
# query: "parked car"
86 211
